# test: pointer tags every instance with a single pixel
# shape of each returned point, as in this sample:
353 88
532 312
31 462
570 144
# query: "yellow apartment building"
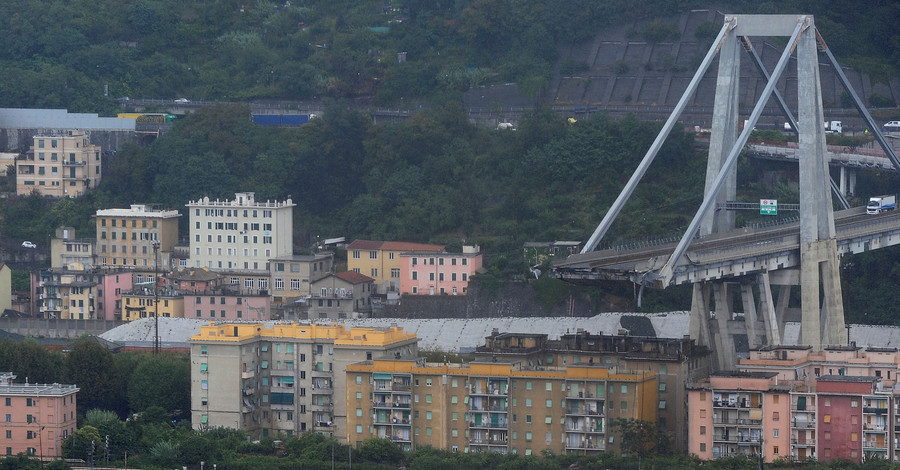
505 407
143 303
126 237
282 378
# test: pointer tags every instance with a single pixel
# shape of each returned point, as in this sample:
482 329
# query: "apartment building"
192 280
59 165
143 302
67 250
495 406
433 273
240 234
282 378
343 295
39 417
740 414
141 237
292 275
674 361
79 294
848 367
226 305
381 261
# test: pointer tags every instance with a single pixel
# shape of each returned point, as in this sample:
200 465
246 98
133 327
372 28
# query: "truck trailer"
879 204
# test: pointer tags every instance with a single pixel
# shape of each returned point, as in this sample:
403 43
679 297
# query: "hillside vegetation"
84 54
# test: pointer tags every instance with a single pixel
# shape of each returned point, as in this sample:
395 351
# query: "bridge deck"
731 254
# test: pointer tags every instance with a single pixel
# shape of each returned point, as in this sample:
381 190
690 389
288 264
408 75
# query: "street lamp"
155 244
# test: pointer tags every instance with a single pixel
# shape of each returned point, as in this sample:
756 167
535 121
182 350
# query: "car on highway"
182 100
28 244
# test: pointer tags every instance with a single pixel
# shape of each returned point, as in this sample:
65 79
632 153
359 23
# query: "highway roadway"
738 252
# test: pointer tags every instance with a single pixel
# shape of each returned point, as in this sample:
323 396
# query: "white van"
892 126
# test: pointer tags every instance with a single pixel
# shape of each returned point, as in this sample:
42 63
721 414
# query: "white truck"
831 127
879 204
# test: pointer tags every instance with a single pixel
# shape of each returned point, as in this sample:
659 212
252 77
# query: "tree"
161 381
89 365
380 451
637 437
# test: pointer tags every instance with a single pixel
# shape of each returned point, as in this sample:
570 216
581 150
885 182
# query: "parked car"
28 244
182 100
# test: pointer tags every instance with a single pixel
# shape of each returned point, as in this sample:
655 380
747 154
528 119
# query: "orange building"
504 407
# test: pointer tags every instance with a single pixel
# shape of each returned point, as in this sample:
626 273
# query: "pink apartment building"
37 417
740 413
425 273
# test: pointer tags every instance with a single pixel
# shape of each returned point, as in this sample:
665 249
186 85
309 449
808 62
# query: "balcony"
880 428
874 410
72 163
588 446
875 446
803 442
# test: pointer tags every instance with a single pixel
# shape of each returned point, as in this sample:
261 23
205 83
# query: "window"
549 403
854 403
662 388
528 436
549 386
624 388
775 416
204 385
548 420
428 398
854 437
528 402
775 432
702 430
826 419
775 449
702 447
428 415
528 419
527 385
662 404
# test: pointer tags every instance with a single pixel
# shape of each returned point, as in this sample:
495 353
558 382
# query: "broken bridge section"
743 262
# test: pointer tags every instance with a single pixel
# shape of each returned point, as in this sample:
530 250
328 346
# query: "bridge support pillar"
822 311
774 327
724 135
714 298
848 181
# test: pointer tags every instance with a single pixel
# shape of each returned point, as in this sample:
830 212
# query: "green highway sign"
768 207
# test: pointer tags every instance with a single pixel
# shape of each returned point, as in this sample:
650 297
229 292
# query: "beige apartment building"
67 250
127 237
240 234
495 406
64 164
292 275
282 378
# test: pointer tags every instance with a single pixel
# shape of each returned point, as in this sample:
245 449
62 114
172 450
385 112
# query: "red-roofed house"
341 295
381 260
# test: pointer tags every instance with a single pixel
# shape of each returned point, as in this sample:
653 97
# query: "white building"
240 234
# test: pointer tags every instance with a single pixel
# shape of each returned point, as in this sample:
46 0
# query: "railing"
803 442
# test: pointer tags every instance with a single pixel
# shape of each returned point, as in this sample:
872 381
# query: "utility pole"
155 244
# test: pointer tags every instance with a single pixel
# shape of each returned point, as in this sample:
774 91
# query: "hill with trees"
84 54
